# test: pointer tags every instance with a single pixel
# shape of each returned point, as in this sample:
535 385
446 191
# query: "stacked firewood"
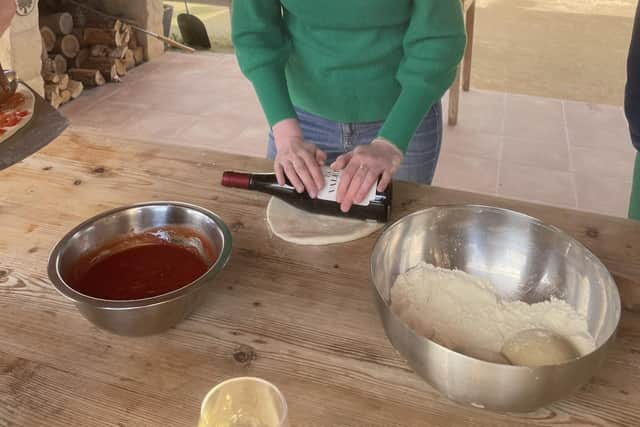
81 49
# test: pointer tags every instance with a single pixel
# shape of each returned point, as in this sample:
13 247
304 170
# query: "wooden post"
454 99
468 52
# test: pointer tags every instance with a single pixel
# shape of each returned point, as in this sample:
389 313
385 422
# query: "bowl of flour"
493 308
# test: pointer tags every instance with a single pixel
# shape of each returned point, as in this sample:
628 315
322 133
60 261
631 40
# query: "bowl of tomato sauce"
141 269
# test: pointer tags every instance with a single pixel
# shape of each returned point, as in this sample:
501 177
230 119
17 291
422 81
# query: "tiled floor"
544 150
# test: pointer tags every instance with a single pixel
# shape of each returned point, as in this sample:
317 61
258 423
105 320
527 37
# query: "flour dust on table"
464 313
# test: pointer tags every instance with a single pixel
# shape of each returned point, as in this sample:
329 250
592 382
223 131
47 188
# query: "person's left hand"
362 167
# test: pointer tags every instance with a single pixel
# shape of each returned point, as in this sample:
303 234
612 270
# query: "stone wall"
20 49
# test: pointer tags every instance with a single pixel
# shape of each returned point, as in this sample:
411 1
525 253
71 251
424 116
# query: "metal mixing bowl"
149 315
526 260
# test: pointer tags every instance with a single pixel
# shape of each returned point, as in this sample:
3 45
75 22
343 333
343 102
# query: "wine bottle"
376 206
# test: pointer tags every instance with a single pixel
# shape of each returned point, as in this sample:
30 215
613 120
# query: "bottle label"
330 190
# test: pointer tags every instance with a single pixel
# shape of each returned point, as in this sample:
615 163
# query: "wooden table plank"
306 315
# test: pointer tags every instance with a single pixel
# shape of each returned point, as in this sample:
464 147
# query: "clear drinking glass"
244 402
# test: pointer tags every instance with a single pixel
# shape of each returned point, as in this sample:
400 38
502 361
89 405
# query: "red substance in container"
138 270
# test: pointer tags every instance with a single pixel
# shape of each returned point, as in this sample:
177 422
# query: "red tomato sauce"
14 102
137 272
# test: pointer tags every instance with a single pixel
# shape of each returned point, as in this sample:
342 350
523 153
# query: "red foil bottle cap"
236 180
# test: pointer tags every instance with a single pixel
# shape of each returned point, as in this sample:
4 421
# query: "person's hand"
300 161
7 10
362 167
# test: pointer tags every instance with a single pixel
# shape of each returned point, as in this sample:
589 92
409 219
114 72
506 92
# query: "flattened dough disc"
303 228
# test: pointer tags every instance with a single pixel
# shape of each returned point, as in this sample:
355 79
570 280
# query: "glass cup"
244 402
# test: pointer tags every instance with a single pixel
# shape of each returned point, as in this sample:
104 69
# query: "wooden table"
301 317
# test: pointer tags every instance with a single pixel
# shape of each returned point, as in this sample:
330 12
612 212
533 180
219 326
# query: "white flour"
463 312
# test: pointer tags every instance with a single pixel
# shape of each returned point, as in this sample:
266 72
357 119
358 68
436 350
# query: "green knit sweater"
350 60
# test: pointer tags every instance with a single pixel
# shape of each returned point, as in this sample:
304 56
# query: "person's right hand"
300 161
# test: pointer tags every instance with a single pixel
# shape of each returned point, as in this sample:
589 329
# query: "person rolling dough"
356 84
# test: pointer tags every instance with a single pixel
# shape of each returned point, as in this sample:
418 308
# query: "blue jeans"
632 90
335 138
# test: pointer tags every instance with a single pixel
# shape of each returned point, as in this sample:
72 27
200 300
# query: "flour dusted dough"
303 228
538 347
464 313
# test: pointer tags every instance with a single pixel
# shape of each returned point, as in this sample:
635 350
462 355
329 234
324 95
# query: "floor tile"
479 111
537 185
540 153
457 140
609 196
534 118
602 162
597 126
160 126
106 116
214 134
467 173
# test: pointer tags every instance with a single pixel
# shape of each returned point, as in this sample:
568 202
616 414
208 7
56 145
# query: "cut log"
106 66
121 67
78 15
59 64
104 63
60 23
48 38
75 87
50 77
100 50
68 46
46 62
64 81
79 33
87 77
56 100
138 55
47 65
129 60
100 36
126 33
65 95
50 89
133 42
103 22
118 52
80 58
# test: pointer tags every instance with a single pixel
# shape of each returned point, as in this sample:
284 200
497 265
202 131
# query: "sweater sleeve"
433 46
262 48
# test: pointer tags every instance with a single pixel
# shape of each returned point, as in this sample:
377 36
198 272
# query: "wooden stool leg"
454 98
466 64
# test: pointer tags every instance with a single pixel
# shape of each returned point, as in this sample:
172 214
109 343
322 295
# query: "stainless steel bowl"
526 260
149 315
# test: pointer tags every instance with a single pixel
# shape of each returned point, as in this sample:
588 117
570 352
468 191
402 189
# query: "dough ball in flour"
538 347
484 354
303 228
